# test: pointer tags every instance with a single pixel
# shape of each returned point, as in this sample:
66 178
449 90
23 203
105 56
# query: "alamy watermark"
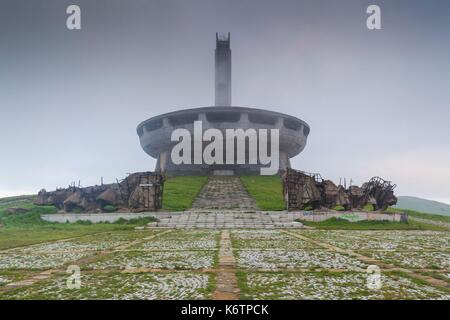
73 281
73 21
263 147
373 277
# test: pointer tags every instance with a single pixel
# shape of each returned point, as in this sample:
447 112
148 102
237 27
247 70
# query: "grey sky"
377 101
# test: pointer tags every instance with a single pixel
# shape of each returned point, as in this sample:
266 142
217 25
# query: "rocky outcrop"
140 191
303 190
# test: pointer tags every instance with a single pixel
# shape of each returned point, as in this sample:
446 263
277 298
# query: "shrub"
109 208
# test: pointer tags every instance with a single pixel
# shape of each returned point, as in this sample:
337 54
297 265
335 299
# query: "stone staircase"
224 193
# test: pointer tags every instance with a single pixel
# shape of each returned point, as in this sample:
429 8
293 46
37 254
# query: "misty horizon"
376 101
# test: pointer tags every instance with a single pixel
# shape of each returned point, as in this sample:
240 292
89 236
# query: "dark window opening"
261 118
225 116
305 131
292 124
183 119
153 125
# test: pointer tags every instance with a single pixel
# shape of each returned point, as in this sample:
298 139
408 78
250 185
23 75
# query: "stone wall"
353 216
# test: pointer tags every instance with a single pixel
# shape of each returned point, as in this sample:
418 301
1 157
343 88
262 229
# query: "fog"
377 101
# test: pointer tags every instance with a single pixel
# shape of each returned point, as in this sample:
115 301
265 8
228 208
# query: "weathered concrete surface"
308 190
353 216
226 219
138 192
93 217
155 133
224 193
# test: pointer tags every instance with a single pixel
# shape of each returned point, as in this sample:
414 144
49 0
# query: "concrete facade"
227 218
223 71
155 133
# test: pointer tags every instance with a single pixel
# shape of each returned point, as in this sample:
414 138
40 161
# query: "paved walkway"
224 193
227 285
227 219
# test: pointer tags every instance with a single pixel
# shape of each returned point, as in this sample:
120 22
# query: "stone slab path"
224 193
226 286
227 219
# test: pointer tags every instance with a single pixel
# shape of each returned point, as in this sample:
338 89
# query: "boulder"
74 202
110 196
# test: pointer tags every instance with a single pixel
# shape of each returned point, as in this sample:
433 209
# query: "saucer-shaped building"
155 133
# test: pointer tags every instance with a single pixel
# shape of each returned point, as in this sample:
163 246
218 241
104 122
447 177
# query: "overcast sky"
377 102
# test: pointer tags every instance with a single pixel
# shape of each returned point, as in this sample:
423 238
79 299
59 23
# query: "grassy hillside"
341 224
266 190
422 215
423 205
22 229
180 191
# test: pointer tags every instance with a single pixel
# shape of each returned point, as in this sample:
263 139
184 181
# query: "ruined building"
140 191
155 133
309 191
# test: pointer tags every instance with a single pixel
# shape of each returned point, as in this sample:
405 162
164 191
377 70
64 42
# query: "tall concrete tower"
155 134
223 70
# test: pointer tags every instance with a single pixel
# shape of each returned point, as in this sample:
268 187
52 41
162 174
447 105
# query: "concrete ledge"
226 218
93 217
352 216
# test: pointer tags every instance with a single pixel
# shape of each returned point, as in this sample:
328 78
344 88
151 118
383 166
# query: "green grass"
18 236
180 192
28 228
423 215
266 190
423 205
368 207
342 224
16 201
109 208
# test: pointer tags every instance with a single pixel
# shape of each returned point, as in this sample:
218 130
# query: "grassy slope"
180 191
341 224
266 190
423 205
423 215
28 228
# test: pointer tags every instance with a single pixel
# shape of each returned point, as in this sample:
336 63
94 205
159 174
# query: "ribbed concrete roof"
223 109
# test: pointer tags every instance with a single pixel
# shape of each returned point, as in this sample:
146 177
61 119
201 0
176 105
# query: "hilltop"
423 205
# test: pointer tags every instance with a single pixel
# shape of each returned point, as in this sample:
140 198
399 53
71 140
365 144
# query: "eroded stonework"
140 191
